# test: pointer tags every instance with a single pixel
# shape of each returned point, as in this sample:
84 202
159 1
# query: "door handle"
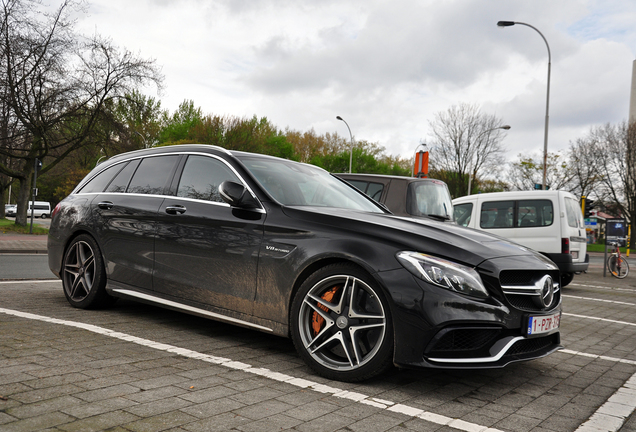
105 205
175 209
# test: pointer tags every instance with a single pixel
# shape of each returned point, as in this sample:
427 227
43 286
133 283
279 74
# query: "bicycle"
616 264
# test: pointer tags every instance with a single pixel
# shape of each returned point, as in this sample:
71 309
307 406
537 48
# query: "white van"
550 222
41 209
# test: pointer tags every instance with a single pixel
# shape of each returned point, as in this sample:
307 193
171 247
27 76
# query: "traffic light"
587 208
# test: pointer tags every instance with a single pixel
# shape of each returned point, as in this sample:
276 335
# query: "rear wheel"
617 266
83 274
341 324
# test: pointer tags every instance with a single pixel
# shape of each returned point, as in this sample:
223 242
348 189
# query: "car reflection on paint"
288 249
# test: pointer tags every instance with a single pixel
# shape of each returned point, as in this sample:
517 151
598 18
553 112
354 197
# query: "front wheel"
618 266
84 276
341 324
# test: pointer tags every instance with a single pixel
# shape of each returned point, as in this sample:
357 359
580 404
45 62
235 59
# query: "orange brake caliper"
318 321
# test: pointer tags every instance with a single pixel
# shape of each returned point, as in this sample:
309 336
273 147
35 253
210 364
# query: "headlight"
445 274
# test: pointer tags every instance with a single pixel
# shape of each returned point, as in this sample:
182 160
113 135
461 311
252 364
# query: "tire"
566 278
43 216
336 340
84 276
618 267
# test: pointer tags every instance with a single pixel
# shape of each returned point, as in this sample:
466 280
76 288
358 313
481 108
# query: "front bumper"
437 328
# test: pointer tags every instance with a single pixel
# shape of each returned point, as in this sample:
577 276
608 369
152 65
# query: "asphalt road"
136 367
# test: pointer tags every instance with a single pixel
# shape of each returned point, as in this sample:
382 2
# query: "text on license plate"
543 323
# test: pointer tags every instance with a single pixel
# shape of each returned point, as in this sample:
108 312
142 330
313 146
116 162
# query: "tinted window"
497 214
99 182
119 183
463 213
152 175
516 214
374 190
201 178
362 185
534 213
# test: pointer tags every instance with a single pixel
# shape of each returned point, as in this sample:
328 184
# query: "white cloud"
386 66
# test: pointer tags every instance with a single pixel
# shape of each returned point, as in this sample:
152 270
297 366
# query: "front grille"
520 290
464 339
519 277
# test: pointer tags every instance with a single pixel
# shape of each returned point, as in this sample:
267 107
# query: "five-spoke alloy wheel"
341 324
83 274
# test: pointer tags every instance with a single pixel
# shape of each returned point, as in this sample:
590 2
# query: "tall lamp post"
351 137
470 176
547 99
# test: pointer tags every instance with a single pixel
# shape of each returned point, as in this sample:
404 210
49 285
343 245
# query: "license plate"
543 323
575 254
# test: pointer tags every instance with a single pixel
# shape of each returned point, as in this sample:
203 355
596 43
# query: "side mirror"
236 195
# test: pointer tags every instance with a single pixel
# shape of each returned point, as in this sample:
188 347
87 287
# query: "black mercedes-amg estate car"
286 248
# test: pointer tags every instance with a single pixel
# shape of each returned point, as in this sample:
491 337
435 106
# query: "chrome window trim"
261 209
184 307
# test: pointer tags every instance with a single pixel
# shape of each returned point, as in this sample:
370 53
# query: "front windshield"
295 184
430 198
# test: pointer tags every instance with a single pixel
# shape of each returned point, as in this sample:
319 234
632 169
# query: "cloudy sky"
387 67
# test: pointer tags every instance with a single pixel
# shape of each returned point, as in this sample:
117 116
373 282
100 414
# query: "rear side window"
463 213
201 178
516 214
573 212
534 213
497 214
99 182
374 190
152 175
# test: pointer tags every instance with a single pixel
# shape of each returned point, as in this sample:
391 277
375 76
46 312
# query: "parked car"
550 222
41 209
405 196
10 210
286 248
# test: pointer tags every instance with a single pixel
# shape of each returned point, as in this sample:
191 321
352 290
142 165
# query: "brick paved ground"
59 378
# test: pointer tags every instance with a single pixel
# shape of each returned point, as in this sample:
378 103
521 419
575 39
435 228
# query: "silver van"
550 222
41 209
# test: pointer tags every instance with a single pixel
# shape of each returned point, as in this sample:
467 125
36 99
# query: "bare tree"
582 161
616 159
527 172
56 85
465 142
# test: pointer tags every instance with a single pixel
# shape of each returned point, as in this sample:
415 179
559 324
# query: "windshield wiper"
438 217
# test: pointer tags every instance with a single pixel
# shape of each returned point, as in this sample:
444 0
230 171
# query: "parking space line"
599 300
277 376
612 414
600 319
608 288
597 356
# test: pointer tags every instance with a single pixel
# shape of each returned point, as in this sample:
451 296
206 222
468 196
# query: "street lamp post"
351 137
547 99
470 176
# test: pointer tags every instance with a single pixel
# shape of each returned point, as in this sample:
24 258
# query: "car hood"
443 239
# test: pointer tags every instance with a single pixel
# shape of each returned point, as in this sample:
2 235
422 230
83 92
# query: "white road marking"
613 413
277 376
609 288
600 319
30 281
599 300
